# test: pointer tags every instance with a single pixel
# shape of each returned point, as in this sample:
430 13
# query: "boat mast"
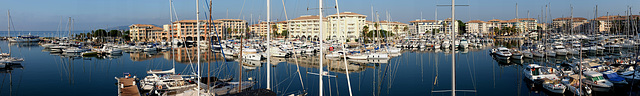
207 36
198 42
453 55
9 29
321 47
8 25
268 41
343 47
171 35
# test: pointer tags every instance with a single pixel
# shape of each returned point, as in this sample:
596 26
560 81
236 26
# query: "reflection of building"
142 56
332 65
184 55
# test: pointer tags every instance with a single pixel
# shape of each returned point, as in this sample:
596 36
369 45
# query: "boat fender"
159 87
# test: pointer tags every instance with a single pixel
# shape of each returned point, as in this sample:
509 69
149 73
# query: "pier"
127 87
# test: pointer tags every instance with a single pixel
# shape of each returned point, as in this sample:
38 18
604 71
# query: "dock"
127 87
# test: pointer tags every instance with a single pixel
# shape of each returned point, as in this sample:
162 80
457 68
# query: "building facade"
426 26
477 26
145 32
307 27
347 26
565 24
613 23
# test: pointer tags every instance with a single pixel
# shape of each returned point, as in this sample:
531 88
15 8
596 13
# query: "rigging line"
174 11
3 78
241 8
470 72
20 80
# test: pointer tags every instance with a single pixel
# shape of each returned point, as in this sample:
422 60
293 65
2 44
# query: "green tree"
114 33
285 33
405 28
462 27
126 36
365 29
274 28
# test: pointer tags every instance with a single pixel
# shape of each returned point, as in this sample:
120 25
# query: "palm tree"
274 29
365 29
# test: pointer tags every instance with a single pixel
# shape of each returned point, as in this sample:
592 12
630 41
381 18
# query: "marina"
326 50
420 66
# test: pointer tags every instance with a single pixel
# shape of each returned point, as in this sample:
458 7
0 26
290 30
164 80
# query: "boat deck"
127 87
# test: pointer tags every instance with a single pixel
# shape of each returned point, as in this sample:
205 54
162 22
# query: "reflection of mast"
321 50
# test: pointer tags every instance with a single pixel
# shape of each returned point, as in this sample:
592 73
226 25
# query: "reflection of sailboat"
250 64
378 60
275 60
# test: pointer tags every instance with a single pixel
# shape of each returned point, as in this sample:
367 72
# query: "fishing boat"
538 53
550 53
534 72
560 50
527 54
503 52
597 81
553 85
516 54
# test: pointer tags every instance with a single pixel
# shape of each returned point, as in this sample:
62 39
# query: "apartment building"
477 26
307 27
346 25
145 33
565 24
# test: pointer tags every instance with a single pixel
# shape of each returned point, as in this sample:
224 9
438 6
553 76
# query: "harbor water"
414 73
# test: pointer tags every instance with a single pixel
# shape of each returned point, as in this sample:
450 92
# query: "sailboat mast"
321 47
8 24
207 36
268 41
173 62
343 47
198 41
453 54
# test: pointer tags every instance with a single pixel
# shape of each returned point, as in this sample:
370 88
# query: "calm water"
413 73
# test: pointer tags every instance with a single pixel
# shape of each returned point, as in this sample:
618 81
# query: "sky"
52 15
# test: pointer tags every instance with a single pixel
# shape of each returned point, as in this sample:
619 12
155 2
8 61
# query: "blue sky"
46 15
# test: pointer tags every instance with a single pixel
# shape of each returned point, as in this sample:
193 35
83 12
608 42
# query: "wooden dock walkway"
127 87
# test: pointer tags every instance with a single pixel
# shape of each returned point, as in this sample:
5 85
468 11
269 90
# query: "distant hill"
124 27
